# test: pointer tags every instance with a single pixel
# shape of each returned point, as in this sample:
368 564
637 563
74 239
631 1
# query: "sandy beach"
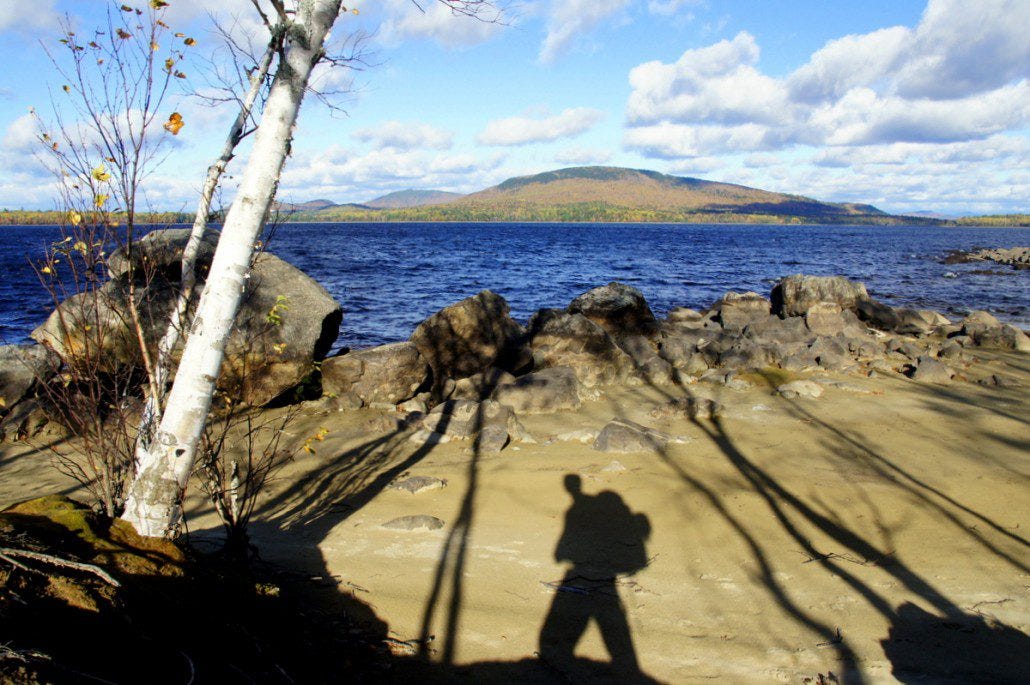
877 533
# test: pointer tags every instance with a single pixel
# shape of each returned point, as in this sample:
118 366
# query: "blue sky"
908 105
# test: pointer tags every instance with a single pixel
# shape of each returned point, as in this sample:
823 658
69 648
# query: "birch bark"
154 504
173 333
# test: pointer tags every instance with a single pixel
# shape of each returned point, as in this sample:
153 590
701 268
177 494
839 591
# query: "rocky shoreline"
1015 257
471 362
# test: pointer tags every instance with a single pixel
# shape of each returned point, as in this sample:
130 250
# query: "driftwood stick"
58 561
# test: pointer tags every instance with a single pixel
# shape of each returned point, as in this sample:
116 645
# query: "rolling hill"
412 198
612 194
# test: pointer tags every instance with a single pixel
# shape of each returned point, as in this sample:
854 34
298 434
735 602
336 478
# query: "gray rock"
388 373
160 253
980 318
647 362
617 308
1005 337
543 392
21 367
265 356
418 484
930 370
691 407
492 438
559 338
795 295
471 336
679 315
623 435
824 318
800 389
479 386
737 310
416 522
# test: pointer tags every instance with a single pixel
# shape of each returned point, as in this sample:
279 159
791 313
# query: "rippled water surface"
389 277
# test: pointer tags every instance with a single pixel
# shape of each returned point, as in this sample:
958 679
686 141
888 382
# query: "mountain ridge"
618 194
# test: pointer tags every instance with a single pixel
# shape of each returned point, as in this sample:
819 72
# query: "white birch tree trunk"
154 504
174 332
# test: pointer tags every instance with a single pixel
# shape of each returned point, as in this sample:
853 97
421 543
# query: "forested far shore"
557 213
53 217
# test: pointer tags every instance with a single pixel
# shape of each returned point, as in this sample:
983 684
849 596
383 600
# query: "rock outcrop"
471 336
286 321
388 374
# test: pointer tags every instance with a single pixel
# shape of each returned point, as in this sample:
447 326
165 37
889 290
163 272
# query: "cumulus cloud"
716 84
959 75
405 136
960 49
849 62
524 130
567 19
342 174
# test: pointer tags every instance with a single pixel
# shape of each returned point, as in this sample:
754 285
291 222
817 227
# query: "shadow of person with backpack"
602 540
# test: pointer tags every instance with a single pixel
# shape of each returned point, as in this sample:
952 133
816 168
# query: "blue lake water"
389 277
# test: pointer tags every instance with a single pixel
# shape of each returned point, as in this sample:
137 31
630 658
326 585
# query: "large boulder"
795 295
160 252
617 308
542 392
20 367
471 336
388 373
285 323
737 310
1005 337
559 338
901 320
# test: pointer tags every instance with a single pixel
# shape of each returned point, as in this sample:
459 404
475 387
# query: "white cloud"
676 141
343 175
863 117
847 63
18 15
435 21
567 19
716 84
22 135
525 130
697 166
963 48
405 136
960 75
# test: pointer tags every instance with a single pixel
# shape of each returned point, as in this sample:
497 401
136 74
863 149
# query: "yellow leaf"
174 123
158 4
100 200
100 174
354 11
169 63
123 34
66 89
47 270
190 42
126 8
162 24
80 246
179 35
75 218
155 47
179 74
